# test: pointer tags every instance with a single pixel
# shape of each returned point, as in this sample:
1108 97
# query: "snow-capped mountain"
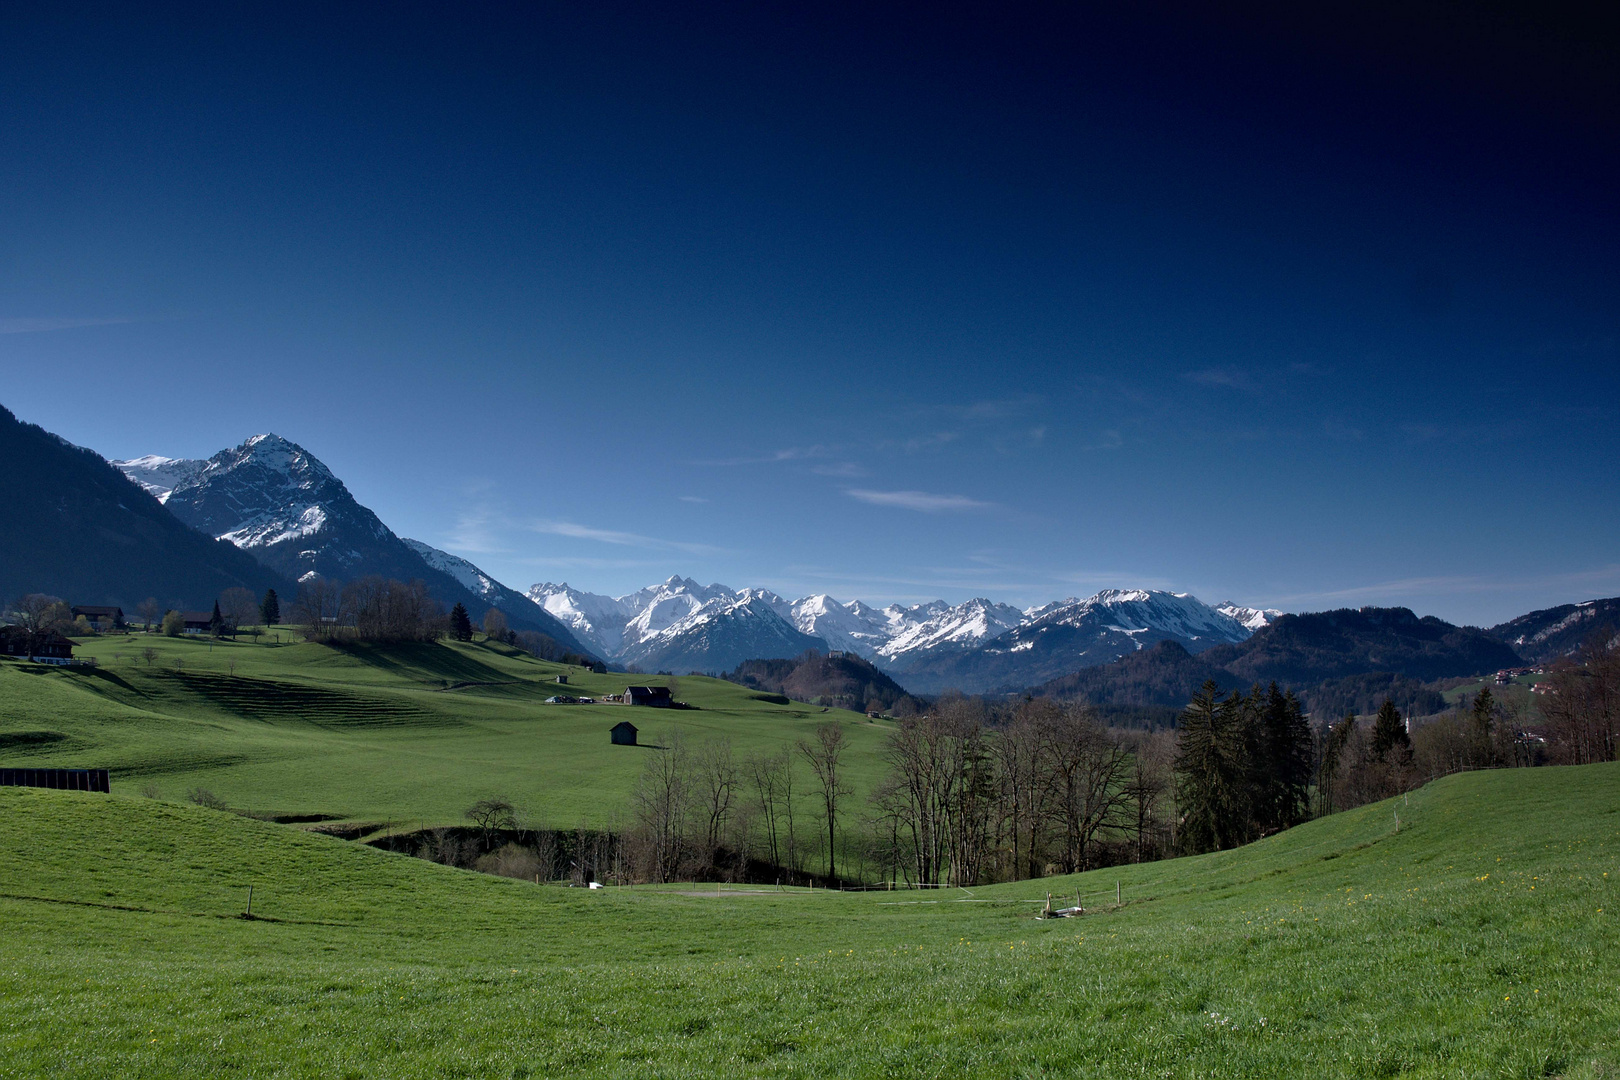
1253 618
282 505
1060 638
852 627
717 635
933 628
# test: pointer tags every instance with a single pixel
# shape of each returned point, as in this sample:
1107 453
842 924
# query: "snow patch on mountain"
160 475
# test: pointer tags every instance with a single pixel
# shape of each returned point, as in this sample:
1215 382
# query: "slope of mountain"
846 681
1335 660
1544 636
1059 638
74 526
279 503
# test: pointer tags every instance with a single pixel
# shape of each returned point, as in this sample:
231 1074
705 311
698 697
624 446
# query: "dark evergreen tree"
1282 779
216 622
1481 728
1389 733
270 608
1212 771
460 623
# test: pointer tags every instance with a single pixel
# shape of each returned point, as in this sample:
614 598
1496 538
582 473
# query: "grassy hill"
1477 940
407 734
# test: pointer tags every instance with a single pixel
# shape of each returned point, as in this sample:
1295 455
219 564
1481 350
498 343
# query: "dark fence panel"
57 779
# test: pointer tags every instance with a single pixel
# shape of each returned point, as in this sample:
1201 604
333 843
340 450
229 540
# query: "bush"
512 861
174 624
207 799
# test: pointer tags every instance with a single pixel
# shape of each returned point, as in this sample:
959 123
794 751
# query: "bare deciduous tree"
714 777
239 606
150 612
824 754
661 800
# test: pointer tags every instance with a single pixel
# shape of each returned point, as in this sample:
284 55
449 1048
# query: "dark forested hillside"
74 526
1337 661
1544 636
1302 649
845 681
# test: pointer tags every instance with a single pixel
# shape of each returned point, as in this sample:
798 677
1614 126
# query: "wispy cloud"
787 453
693 499
847 469
1601 578
923 501
577 531
1231 378
40 326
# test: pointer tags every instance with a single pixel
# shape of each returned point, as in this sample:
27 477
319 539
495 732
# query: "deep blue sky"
1021 302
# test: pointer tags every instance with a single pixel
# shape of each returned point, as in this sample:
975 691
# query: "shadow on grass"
424 661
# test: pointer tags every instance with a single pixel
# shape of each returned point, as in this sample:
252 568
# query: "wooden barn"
624 733
656 696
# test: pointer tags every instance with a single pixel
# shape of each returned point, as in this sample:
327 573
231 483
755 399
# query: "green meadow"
1476 940
403 736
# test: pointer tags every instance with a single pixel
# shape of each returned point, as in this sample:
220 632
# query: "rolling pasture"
402 735
1476 940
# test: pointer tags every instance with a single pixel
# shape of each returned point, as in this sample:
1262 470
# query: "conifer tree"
460 623
1283 773
1481 725
1389 733
270 608
1212 771
216 622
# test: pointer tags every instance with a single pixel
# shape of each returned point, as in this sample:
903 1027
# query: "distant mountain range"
267 512
974 646
280 504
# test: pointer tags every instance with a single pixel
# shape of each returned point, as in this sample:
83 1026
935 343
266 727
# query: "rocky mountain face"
1543 636
73 526
277 502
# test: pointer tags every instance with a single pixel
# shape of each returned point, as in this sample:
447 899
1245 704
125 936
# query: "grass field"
1478 940
409 735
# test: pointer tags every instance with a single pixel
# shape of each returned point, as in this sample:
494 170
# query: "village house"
198 622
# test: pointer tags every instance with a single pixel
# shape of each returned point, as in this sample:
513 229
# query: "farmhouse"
624 733
656 696
101 619
563 679
48 647
198 622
